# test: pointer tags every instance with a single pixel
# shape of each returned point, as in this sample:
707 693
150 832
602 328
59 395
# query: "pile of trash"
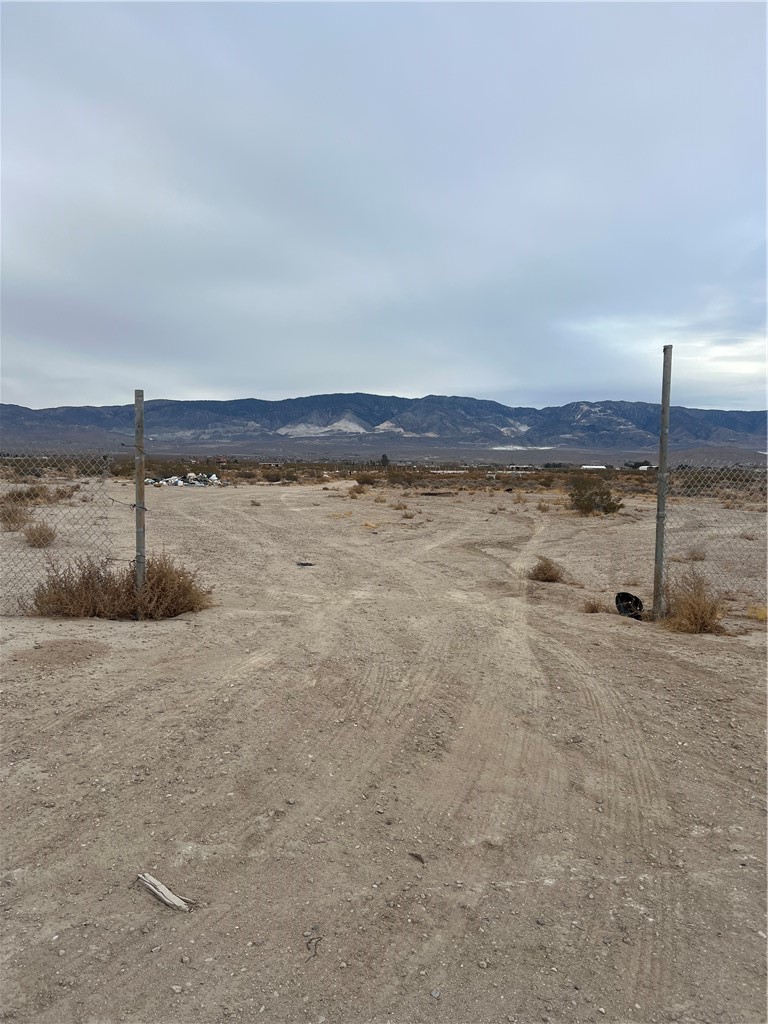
190 480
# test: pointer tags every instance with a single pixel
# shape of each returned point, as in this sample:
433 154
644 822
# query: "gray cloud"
522 202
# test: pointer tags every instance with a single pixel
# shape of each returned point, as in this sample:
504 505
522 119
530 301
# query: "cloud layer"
520 202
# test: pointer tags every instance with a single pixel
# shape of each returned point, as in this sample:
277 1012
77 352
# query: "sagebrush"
40 535
90 588
692 605
592 496
546 571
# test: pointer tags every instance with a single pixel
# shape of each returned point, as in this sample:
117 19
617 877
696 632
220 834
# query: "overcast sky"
521 202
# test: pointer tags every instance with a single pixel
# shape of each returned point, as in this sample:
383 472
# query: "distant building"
593 467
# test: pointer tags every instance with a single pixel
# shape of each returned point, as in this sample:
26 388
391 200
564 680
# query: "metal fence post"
661 488
141 561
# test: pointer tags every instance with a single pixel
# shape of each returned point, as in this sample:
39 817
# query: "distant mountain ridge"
599 425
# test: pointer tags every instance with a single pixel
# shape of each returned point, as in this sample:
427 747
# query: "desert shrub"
13 516
40 535
759 612
409 515
547 480
356 490
546 571
399 506
692 605
593 605
257 504
697 554
272 476
543 506
590 495
90 588
367 479
380 499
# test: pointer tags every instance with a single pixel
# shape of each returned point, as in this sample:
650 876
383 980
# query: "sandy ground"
470 800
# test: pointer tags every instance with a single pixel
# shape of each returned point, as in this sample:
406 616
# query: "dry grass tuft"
546 571
692 605
543 506
13 517
409 515
697 554
759 612
89 588
593 605
40 535
256 504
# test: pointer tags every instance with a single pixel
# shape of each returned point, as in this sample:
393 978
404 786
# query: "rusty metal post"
661 488
141 558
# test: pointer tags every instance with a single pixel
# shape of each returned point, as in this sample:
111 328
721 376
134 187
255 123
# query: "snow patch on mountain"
341 426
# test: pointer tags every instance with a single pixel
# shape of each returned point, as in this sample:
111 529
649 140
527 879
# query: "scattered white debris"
190 480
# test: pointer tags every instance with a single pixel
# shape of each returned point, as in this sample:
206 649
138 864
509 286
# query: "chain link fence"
716 524
53 506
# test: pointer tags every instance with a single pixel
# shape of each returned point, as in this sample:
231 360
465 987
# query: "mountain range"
586 425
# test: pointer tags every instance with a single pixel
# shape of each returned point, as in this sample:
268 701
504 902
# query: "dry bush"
356 490
692 605
593 605
543 506
89 588
493 512
697 554
40 494
13 517
367 479
546 571
380 499
759 612
519 499
592 495
399 506
257 504
40 535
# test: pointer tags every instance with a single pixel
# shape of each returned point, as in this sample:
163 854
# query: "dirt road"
403 783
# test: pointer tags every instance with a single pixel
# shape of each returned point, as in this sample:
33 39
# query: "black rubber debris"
303 564
629 605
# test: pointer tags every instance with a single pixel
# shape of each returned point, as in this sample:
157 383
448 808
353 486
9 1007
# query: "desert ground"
402 784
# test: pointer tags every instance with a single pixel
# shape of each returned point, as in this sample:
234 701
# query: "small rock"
435 993
540 920
291 802
482 964
156 949
62 952
177 989
185 959
343 963
600 1009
